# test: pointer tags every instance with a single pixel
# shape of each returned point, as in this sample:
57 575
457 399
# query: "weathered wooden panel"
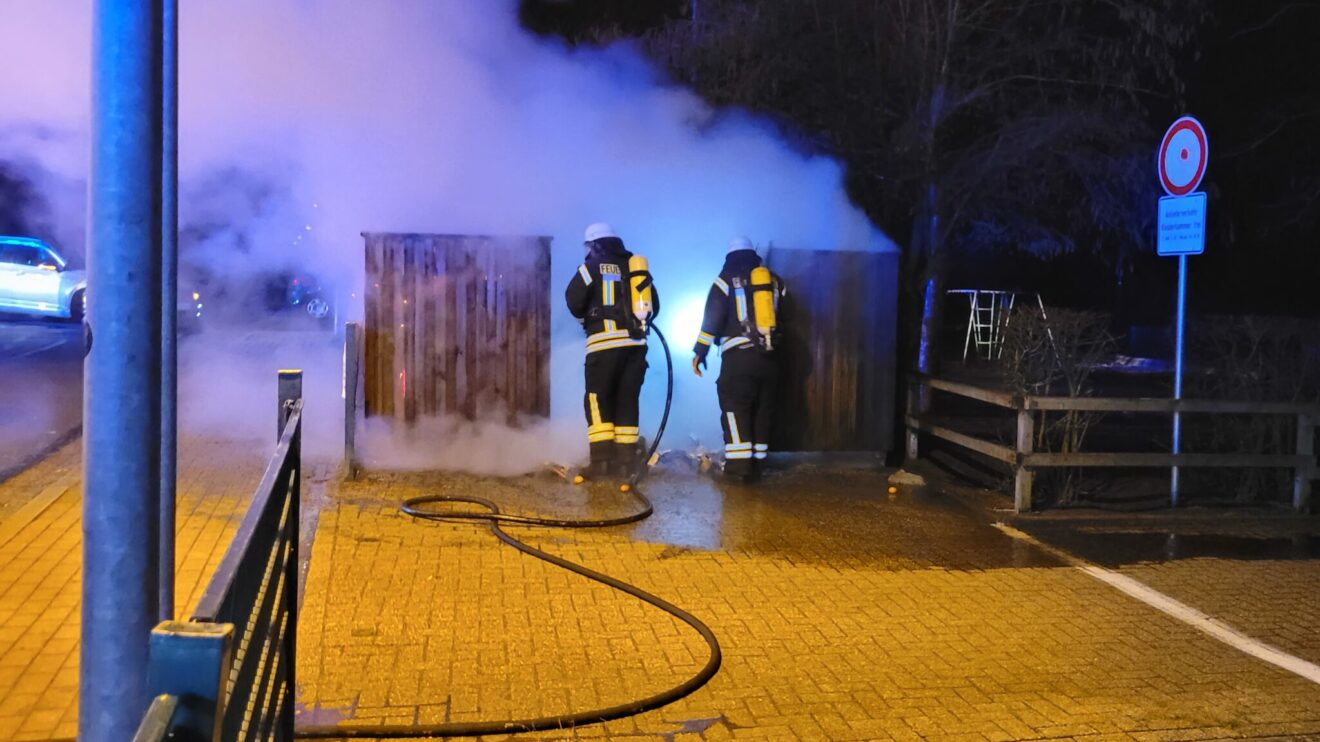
456 325
837 386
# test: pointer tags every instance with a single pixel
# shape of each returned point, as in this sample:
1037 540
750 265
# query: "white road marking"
42 349
1179 610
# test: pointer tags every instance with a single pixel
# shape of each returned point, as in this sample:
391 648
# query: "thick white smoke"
445 116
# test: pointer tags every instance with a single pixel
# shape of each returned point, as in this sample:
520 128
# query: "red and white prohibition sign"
1183 156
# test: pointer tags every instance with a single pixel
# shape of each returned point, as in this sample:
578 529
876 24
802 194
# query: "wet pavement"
41 366
844 612
1254 536
844 518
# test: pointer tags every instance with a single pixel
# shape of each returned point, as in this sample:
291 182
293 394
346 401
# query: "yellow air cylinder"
642 307
763 301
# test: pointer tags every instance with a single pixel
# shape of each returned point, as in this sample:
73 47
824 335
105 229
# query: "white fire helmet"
740 243
599 230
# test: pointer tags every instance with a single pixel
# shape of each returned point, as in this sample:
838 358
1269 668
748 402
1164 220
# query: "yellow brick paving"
1257 570
40 580
1277 601
844 615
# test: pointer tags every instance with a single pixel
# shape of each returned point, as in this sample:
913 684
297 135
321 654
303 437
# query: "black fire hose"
496 520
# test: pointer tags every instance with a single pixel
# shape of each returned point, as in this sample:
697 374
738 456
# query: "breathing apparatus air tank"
763 304
639 281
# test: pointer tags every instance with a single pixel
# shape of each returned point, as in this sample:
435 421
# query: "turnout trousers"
614 385
747 383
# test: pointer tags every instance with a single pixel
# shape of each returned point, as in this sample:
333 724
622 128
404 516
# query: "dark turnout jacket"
725 322
599 295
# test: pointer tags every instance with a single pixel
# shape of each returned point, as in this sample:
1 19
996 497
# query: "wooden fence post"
1303 474
1026 433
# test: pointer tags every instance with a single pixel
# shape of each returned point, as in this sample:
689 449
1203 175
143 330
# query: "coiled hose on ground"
417 507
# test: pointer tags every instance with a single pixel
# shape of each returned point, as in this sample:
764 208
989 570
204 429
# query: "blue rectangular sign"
1181 229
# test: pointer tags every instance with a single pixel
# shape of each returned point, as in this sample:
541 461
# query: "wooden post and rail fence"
1024 460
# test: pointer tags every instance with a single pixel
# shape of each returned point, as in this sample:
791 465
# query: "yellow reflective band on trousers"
733 429
599 431
626 434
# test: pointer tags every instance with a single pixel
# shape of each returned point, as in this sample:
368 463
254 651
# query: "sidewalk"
844 614
40 583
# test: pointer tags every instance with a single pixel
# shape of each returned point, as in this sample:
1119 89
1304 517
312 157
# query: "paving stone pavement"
40 580
1272 600
844 614
1257 571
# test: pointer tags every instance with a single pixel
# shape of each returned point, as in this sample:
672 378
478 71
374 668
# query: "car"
298 292
35 279
287 297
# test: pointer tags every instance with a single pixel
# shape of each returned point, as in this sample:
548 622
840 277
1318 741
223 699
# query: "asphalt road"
41 374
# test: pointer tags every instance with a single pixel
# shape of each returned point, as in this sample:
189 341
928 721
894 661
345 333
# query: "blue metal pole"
121 400
1178 373
169 300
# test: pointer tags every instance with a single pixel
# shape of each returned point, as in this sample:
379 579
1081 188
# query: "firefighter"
606 295
740 317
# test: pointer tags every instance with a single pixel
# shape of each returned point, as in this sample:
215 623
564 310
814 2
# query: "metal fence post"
1022 480
291 592
121 401
1303 475
290 390
191 662
352 368
913 412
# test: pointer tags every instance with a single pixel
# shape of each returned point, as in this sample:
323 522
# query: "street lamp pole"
122 395
169 300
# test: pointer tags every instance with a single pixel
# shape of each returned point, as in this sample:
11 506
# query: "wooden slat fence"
839 363
456 325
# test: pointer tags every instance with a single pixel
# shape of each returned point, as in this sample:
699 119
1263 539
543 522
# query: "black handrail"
156 722
231 665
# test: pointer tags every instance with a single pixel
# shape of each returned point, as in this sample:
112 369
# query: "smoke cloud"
307 122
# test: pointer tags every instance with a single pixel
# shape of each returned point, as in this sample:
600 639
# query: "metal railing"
228 672
1024 459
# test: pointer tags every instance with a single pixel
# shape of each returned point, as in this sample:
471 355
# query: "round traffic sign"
1182 157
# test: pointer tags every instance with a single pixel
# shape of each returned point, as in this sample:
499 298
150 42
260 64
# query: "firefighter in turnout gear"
741 319
613 296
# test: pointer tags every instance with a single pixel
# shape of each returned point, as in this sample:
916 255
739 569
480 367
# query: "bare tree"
1024 114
